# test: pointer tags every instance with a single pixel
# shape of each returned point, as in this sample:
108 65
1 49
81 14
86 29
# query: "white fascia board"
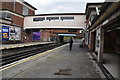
10 25
12 13
50 27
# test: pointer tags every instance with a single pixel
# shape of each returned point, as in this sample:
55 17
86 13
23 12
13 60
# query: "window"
25 10
52 18
67 18
72 30
0 14
35 19
42 19
5 15
8 15
39 19
92 17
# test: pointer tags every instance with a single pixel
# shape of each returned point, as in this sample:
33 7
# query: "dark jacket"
71 41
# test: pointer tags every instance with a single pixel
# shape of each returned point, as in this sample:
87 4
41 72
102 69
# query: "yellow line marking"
30 58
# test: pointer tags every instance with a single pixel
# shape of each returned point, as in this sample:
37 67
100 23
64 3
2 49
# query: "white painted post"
101 45
97 10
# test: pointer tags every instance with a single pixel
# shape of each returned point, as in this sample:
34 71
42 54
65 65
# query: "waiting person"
71 43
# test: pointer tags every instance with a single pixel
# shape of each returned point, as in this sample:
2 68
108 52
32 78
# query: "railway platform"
8 46
56 63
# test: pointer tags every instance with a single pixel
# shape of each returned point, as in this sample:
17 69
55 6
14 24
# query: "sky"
60 6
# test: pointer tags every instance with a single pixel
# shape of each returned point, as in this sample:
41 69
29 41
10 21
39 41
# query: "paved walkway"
112 65
58 63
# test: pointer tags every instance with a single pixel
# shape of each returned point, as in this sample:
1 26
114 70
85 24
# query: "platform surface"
77 62
7 46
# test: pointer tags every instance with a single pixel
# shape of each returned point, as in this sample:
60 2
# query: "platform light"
118 28
109 30
97 10
25 37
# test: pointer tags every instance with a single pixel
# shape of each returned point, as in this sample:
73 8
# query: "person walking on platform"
71 43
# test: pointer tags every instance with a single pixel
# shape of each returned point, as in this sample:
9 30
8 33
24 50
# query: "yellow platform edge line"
31 58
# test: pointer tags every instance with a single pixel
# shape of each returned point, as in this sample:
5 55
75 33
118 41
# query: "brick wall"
17 20
92 41
7 5
64 31
18 8
31 12
0 4
28 36
60 30
45 35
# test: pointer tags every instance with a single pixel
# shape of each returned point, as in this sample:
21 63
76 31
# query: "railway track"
12 55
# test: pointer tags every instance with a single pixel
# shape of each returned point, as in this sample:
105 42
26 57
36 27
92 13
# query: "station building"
102 34
12 13
20 24
50 27
100 24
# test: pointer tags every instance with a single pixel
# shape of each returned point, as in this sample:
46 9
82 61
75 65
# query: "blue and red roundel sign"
5 33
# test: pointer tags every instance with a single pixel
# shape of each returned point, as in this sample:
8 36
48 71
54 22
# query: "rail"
11 55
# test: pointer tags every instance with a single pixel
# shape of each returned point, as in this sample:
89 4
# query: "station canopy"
66 34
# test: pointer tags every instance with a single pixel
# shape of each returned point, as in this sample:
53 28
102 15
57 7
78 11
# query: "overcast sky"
60 6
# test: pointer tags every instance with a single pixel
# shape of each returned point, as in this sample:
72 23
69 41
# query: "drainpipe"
14 5
0 34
